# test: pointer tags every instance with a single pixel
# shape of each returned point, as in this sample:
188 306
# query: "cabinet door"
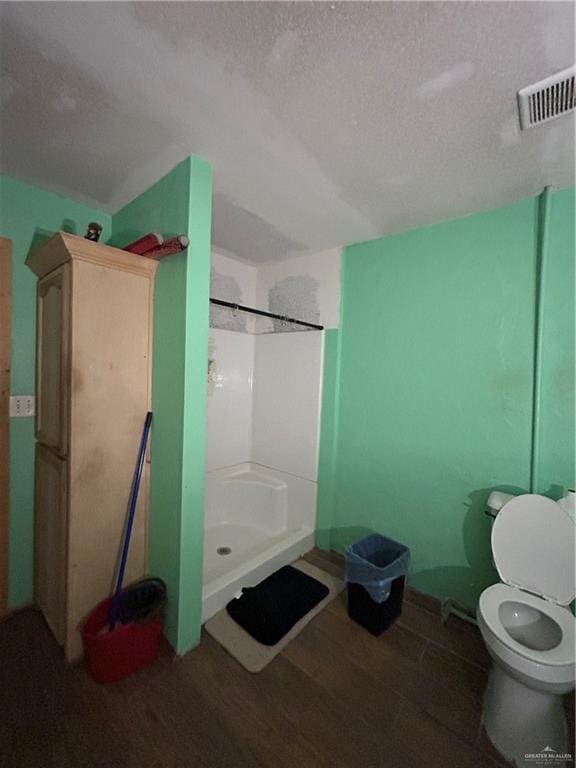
50 539
52 360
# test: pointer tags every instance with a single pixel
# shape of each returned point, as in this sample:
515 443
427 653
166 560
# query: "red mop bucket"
122 634
114 654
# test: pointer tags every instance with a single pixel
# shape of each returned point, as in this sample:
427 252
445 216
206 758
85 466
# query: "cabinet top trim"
63 247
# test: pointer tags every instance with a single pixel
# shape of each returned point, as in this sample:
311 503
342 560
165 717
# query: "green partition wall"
180 203
428 397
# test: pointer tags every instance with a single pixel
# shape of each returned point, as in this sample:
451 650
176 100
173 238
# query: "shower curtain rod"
262 313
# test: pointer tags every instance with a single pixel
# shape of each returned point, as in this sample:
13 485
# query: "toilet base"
520 721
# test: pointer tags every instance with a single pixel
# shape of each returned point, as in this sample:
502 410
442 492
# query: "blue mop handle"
113 618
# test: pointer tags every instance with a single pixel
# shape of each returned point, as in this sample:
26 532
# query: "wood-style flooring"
336 696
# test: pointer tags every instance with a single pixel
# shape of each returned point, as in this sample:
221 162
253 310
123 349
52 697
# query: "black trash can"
376 569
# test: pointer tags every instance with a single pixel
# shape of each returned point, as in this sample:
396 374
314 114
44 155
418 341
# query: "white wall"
306 287
235 281
231 361
264 390
286 405
229 411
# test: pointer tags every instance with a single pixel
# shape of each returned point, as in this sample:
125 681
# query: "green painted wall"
434 400
179 203
556 461
28 215
427 385
195 404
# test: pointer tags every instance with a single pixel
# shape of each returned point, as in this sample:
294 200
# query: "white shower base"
257 520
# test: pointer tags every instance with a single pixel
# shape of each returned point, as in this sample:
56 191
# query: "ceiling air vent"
550 98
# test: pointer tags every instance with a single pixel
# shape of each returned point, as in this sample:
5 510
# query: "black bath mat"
269 610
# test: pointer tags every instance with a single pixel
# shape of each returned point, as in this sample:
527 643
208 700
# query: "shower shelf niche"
229 316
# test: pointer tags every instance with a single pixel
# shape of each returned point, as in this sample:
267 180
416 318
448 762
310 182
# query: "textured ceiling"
325 123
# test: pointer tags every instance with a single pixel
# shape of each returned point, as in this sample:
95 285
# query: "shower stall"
264 391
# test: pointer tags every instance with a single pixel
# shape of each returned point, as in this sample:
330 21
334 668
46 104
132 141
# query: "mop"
116 599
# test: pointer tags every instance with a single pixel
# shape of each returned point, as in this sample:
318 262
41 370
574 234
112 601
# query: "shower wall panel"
287 384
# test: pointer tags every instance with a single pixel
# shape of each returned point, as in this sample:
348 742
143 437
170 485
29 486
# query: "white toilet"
529 631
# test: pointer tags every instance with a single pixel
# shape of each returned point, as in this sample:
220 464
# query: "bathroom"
263 417
371 331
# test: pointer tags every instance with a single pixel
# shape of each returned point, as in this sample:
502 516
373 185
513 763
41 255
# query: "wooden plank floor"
336 696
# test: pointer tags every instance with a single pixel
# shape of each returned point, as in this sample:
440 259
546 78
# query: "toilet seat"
534 549
489 607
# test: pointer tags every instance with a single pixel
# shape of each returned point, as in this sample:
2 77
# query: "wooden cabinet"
93 388
52 360
50 526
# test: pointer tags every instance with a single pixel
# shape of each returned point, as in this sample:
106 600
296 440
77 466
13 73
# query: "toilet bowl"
529 631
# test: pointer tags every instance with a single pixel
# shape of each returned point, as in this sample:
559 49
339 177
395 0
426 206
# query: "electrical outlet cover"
22 406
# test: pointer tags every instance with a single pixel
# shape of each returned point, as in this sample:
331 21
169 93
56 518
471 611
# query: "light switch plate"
22 405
